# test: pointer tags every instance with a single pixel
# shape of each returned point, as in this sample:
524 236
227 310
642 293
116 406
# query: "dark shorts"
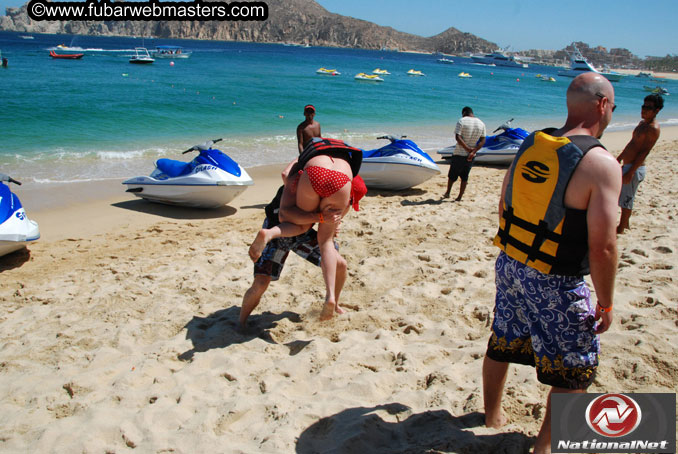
275 253
545 321
460 167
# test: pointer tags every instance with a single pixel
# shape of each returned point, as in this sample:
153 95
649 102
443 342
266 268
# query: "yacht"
498 58
579 65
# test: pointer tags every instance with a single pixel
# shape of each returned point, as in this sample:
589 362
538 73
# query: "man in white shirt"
470 135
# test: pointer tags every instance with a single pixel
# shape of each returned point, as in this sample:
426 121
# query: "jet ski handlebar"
391 137
204 146
504 127
7 178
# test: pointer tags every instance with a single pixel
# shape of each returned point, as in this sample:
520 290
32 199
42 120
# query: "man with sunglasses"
558 213
633 157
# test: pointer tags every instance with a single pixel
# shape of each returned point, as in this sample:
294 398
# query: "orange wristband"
321 218
605 309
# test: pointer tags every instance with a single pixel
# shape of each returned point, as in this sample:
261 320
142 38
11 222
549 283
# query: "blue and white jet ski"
498 149
398 165
16 230
210 180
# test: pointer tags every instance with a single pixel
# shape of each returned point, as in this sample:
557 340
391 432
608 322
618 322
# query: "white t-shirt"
471 129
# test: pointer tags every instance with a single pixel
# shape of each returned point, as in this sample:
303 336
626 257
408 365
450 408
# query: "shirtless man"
633 157
307 129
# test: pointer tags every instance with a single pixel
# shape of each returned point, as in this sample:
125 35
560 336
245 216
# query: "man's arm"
603 172
461 142
300 137
290 212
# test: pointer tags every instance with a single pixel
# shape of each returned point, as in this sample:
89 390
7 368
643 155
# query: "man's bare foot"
258 245
458 199
495 422
446 195
328 311
620 230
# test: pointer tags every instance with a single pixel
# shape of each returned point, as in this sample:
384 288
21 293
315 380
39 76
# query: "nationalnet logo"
637 423
613 415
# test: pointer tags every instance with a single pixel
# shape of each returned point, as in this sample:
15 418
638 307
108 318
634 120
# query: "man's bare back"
644 137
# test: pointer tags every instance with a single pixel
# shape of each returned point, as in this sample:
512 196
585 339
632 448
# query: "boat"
26 36
211 180
498 58
16 230
141 56
445 60
547 78
464 75
657 90
399 165
499 149
171 52
65 56
327 72
381 72
414 72
579 65
368 77
644 74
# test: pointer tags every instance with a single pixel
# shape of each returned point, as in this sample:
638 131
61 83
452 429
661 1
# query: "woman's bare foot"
338 309
328 310
258 245
495 421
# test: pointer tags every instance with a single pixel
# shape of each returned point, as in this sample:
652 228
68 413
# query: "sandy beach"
118 327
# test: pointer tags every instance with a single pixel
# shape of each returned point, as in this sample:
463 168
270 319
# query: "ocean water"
103 118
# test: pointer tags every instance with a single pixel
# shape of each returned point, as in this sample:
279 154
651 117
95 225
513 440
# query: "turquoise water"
102 117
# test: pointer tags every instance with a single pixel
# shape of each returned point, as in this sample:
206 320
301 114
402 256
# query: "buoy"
171 63
518 80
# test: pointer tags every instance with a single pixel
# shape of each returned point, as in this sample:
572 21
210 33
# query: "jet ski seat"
173 168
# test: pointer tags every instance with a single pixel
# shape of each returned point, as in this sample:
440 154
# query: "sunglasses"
601 96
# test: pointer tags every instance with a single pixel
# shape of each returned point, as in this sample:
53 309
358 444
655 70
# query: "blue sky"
644 27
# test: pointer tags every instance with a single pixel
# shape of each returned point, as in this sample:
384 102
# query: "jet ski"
399 165
210 180
16 230
498 149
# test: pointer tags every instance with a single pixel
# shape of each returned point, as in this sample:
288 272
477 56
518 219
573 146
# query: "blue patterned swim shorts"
546 321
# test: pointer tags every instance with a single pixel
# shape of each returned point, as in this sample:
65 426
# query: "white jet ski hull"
17 232
396 173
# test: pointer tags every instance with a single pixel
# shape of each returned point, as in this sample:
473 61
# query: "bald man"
557 223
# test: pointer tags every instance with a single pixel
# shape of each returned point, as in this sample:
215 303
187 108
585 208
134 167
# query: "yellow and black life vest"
536 228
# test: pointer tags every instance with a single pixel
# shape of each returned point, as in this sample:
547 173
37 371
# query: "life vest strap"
541 233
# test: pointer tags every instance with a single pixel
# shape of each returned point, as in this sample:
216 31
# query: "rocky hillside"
295 21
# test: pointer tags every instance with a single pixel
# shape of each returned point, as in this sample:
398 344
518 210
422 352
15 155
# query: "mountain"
289 21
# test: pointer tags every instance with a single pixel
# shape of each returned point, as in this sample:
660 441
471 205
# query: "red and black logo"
613 415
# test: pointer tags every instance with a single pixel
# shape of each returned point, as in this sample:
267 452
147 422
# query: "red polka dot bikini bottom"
326 182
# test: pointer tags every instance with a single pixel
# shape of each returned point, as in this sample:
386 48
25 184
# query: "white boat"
141 56
211 180
381 72
368 77
498 58
579 65
414 72
445 60
16 230
397 166
171 52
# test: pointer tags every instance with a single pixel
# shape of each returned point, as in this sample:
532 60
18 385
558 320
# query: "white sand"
122 334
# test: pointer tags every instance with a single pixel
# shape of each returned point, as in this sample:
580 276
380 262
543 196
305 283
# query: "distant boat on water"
171 52
579 65
141 56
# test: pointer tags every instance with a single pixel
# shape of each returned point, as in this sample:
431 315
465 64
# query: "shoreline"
54 207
